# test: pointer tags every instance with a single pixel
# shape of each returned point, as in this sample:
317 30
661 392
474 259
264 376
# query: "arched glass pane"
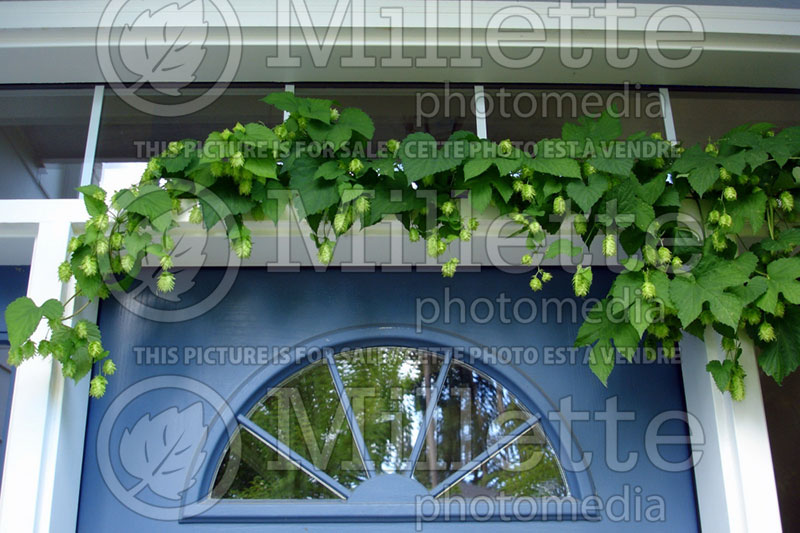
305 413
389 389
527 467
252 470
473 412
480 441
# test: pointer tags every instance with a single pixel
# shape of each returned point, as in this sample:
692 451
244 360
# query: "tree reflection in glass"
480 439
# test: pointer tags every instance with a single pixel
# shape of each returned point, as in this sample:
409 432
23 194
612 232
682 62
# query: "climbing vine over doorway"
680 274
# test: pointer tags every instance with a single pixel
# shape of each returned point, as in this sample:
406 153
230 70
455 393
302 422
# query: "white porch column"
734 474
41 475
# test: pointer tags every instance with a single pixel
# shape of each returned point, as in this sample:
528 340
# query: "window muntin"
374 406
305 414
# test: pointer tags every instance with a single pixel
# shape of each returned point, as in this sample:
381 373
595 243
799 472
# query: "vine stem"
771 222
79 311
68 300
702 218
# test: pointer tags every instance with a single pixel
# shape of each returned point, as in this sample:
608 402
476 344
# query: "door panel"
165 370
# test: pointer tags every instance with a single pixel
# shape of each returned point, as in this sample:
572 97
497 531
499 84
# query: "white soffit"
55 41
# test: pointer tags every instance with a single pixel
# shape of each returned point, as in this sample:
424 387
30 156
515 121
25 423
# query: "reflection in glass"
473 413
252 470
305 413
389 389
526 467
480 439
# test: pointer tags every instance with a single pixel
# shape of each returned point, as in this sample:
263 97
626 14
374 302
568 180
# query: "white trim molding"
54 41
734 475
44 451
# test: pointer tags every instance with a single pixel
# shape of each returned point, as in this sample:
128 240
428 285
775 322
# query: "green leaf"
315 108
285 101
641 314
748 293
627 208
735 163
52 309
263 167
781 357
786 241
202 176
782 277
83 361
336 134
93 206
135 243
175 163
420 157
384 167
507 165
476 167
259 133
604 128
625 288
502 186
587 195
662 284
652 190
562 167
603 326
562 247
551 186
350 192
388 201
701 167
273 198
315 195
751 207
89 190
329 170
222 200
22 317
90 285
670 198
357 120
606 162
711 278
480 194
721 372
796 174
632 264
154 203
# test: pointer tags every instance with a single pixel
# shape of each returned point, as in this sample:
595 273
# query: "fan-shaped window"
388 411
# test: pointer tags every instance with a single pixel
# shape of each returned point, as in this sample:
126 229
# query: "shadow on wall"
783 423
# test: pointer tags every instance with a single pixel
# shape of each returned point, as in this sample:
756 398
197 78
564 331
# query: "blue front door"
189 435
